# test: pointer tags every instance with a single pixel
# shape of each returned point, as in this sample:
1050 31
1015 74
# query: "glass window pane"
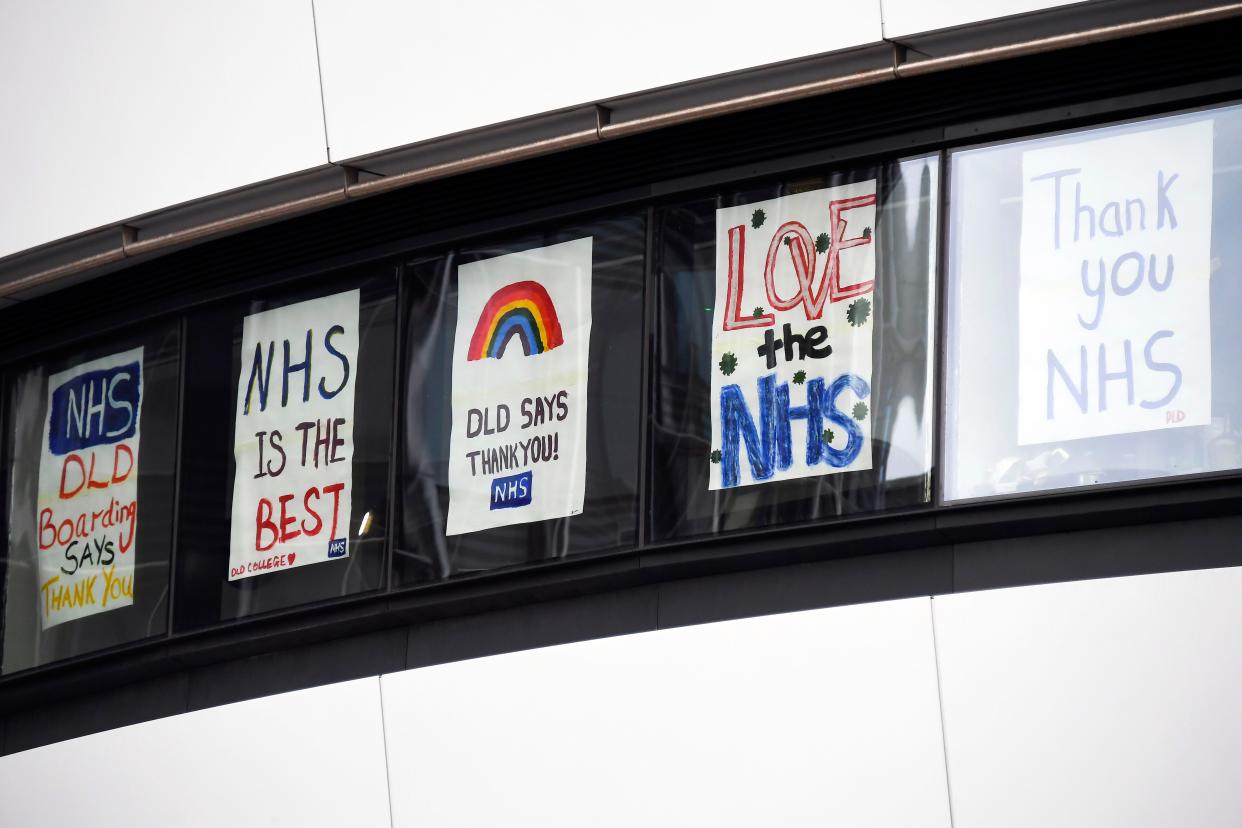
887 325
208 591
92 442
1092 290
471 532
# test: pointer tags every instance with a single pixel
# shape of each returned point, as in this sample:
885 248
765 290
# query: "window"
523 366
287 478
92 437
1093 285
794 333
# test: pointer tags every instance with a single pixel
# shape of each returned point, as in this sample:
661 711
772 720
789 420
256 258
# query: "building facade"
706 416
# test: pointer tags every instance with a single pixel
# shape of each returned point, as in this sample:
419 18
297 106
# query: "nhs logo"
510 492
336 548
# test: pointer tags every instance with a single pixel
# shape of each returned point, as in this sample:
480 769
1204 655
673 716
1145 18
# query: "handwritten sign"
791 344
518 443
1114 319
88 488
294 436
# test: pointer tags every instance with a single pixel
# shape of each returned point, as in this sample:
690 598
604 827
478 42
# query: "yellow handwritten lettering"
47 594
117 588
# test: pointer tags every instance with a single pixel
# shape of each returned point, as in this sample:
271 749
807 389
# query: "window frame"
941 501
27 361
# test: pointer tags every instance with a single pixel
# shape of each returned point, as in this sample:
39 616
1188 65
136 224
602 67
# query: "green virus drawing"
715 456
799 377
728 364
860 411
858 313
788 240
757 219
828 435
821 243
758 312
866 232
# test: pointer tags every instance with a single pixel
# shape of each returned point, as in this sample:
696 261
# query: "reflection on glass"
681 504
1090 331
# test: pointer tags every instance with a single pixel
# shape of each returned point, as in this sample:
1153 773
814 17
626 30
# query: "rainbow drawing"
522 309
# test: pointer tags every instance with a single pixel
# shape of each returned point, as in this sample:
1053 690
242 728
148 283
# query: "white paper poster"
1114 320
294 436
518 447
88 488
791 344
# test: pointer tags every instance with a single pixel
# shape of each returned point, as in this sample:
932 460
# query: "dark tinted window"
92 437
612 410
206 594
870 448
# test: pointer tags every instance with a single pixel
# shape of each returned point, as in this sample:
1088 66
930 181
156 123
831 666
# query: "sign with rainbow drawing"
518 445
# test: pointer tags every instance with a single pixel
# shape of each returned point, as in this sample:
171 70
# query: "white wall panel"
310 758
1095 703
909 17
396 72
113 108
816 718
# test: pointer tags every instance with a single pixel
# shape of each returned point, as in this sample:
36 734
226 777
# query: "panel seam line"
323 106
944 739
379 680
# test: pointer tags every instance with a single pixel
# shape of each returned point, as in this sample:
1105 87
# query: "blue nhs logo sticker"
511 492
336 548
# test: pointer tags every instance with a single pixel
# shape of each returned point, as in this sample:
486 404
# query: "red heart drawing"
293 556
